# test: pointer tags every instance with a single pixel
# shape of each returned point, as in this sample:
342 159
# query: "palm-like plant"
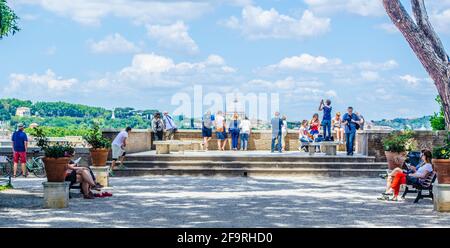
8 20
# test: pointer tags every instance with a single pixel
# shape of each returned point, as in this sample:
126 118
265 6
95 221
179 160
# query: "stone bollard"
163 149
56 195
441 197
101 175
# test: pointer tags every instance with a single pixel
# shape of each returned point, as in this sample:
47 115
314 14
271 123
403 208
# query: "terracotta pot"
442 168
395 159
99 157
55 168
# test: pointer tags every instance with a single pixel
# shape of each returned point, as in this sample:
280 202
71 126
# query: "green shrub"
400 141
94 137
52 151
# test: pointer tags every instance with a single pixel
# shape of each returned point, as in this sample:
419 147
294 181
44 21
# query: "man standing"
118 148
362 121
276 132
20 145
351 123
170 126
326 120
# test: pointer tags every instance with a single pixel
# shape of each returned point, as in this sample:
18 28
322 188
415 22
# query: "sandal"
98 195
106 194
393 199
383 198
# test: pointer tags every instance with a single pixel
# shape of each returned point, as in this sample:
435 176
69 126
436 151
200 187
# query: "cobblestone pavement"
173 201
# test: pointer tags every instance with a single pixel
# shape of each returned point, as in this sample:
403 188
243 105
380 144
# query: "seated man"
411 177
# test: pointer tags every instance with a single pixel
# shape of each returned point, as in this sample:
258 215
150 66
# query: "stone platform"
250 163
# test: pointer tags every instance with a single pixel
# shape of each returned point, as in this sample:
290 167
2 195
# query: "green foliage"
59 131
438 120
5 187
95 138
400 141
8 20
52 151
441 152
58 109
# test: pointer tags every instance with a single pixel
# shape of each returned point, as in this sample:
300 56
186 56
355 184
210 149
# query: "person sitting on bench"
414 178
82 175
304 136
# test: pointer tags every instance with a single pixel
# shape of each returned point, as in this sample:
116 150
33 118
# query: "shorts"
314 132
221 135
206 132
117 152
20 157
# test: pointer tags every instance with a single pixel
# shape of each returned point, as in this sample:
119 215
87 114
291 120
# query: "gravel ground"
172 201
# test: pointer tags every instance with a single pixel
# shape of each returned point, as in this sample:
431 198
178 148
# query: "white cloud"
384 66
358 7
36 83
173 36
306 62
411 80
91 12
114 43
370 75
257 23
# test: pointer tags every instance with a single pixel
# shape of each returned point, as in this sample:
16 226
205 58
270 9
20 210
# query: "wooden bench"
427 185
328 147
168 146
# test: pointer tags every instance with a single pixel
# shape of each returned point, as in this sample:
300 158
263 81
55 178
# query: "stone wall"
139 140
79 152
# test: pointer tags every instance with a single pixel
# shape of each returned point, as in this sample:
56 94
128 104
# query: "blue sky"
141 53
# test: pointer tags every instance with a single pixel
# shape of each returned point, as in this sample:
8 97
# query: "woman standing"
221 134
246 127
283 133
337 127
234 130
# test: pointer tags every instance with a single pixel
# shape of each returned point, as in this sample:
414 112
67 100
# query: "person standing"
351 123
276 123
158 127
207 124
169 125
221 134
284 128
362 121
118 148
234 130
246 127
20 146
326 119
337 127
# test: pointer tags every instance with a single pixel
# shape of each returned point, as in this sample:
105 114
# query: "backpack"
158 126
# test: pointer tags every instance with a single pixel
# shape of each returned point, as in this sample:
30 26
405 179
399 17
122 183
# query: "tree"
8 20
426 45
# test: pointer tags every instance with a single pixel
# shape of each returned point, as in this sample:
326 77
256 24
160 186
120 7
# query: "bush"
52 151
400 142
441 152
95 138
438 120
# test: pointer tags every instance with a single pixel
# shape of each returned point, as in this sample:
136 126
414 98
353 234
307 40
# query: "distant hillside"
403 123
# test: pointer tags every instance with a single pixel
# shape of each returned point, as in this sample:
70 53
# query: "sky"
145 53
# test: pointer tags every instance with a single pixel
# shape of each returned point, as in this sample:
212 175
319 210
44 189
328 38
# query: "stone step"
248 172
252 164
252 158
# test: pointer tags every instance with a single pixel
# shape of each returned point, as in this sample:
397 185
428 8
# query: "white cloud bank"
173 36
114 43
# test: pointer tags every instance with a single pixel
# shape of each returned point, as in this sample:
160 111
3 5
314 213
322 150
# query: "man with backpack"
158 127
352 123
169 125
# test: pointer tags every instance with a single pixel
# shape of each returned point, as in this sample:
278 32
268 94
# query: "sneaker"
106 194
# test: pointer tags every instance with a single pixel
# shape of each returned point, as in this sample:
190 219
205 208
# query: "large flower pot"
395 159
99 157
442 168
55 168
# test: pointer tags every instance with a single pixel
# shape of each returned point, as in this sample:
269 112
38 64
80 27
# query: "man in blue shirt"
276 131
326 121
351 122
20 145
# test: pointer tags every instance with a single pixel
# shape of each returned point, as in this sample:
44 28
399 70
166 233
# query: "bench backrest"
429 180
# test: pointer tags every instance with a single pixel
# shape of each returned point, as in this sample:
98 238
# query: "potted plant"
396 145
100 146
56 156
441 163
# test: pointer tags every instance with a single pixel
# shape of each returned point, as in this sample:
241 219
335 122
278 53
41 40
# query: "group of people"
163 127
345 128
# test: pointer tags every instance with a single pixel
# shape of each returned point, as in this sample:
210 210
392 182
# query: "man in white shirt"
118 147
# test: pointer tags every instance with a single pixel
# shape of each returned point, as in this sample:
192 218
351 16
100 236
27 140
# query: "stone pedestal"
162 149
101 175
329 149
56 195
441 197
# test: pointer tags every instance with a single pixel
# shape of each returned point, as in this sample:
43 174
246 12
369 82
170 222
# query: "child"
303 135
314 125
326 120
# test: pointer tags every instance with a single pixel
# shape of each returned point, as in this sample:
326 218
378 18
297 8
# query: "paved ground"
222 202
239 154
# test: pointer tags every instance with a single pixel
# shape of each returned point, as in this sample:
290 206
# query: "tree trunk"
426 45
